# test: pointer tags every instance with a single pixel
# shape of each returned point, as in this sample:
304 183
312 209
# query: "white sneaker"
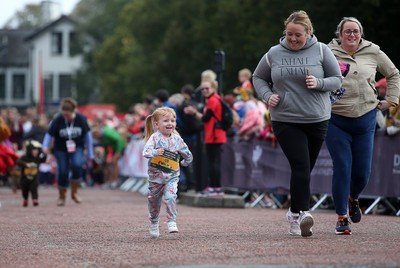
154 230
306 222
172 228
294 223
392 130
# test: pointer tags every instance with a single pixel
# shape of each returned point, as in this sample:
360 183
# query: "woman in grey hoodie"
294 78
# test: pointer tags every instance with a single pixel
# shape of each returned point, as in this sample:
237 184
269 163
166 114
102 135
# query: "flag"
41 89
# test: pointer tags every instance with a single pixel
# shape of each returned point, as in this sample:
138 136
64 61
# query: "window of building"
48 87
2 87
4 40
56 43
18 86
65 85
74 44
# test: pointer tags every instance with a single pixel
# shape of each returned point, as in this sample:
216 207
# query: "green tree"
96 20
139 46
30 17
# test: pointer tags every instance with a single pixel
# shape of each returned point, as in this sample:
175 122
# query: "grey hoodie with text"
282 71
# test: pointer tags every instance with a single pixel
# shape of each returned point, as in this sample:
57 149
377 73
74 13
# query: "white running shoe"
306 222
154 230
392 130
294 223
172 228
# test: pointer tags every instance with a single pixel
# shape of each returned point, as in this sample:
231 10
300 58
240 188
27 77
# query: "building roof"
48 26
14 43
14 51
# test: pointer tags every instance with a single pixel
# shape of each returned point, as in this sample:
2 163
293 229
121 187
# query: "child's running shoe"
172 228
25 203
306 223
354 211
154 230
35 202
294 223
342 227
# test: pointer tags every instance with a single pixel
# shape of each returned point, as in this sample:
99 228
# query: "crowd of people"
304 93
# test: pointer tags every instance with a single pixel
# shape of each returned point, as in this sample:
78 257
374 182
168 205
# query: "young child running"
164 148
29 164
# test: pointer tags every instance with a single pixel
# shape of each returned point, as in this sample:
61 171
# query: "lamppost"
219 67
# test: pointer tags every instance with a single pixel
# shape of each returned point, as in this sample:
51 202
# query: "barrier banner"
257 165
133 164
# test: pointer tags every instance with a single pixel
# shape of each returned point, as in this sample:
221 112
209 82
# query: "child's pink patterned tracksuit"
164 183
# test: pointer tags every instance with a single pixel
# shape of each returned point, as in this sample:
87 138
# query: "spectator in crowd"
190 131
27 119
214 137
29 164
13 121
114 145
231 100
148 105
111 119
295 79
381 116
37 130
393 121
244 77
71 132
97 170
161 98
136 122
8 158
389 120
164 147
206 75
352 126
252 122
47 170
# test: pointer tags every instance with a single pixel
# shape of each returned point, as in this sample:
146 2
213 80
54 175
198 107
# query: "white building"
35 60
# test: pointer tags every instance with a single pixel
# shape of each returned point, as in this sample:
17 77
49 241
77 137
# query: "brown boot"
61 198
74 192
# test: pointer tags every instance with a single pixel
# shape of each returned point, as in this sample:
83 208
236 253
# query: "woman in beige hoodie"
351 128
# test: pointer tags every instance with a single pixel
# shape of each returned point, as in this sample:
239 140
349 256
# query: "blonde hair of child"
246 73
154 117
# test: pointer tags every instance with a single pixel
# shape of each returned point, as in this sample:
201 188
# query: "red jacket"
211 133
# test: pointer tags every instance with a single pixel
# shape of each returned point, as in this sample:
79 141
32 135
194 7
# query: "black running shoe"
354 211
342 227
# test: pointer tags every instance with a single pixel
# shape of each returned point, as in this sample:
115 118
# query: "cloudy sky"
9 7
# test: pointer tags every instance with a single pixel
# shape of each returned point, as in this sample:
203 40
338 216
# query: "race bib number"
71 146
168 162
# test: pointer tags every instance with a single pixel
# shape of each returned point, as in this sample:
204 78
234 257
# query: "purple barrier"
256 165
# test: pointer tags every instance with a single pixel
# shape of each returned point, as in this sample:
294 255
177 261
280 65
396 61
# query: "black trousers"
301 144
30 186
213 152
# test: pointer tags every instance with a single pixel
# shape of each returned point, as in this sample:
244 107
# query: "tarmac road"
110 229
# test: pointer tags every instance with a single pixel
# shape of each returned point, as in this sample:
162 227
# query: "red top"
211 133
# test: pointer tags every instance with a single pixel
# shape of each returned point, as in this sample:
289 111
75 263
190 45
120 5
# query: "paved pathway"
110 230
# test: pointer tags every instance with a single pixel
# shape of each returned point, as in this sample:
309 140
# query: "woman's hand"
311 81
383 105
274 100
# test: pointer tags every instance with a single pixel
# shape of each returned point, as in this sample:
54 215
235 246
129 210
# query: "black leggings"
301 144
214 164
30 186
